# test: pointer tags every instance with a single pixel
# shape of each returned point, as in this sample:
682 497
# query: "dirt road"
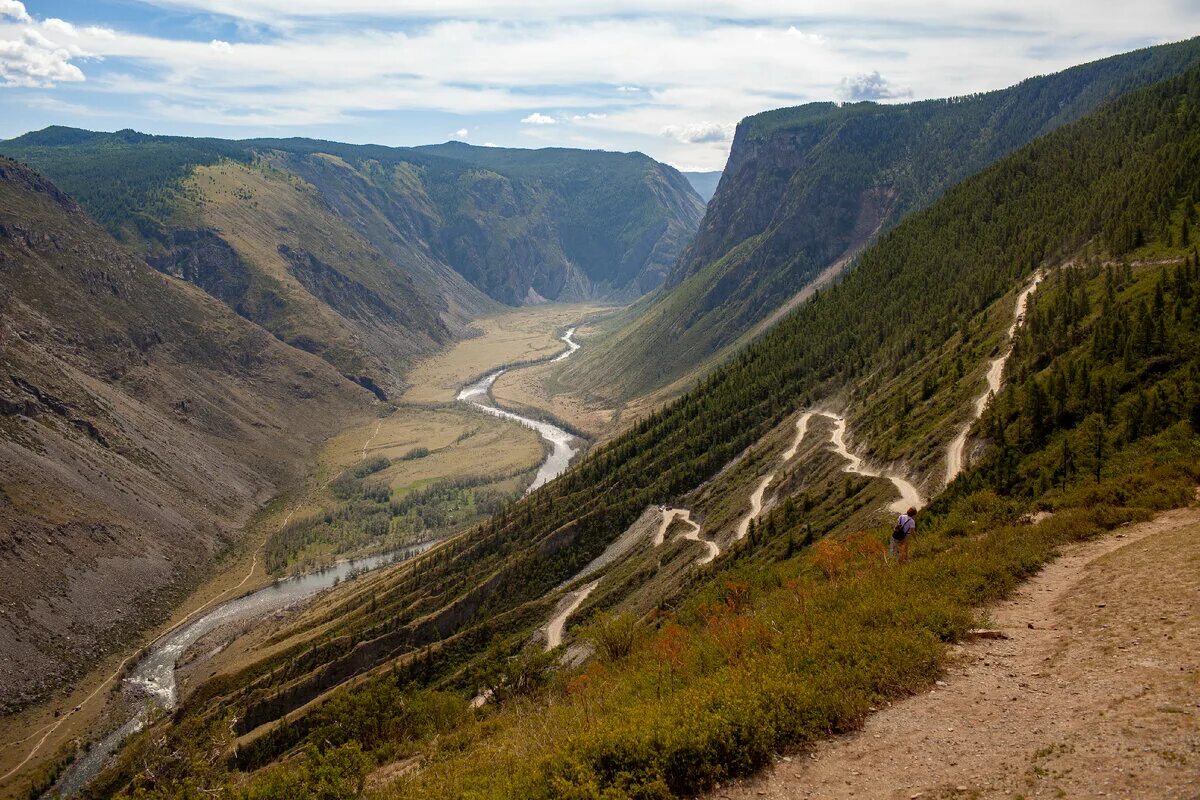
956 452
558 623
1095 692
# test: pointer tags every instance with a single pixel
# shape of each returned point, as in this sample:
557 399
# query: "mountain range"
690 656
984 307
806 188
372 256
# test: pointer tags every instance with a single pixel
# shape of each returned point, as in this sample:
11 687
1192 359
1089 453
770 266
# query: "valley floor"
1094 692
460 444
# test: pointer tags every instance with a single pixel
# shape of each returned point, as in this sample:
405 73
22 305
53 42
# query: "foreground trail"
1095 692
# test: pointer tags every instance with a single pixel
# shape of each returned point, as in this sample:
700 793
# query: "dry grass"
461 443
521 334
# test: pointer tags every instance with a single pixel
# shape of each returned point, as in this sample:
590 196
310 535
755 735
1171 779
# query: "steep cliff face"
806 188
566 224
141 422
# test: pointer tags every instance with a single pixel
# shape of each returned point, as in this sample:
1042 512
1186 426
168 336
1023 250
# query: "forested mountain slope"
775 642
369 256
805 188
141 422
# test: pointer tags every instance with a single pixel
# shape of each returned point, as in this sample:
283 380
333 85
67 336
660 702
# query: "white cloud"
53 104
671 67
796 33
461 133
872 86
28 57
14 10
700 132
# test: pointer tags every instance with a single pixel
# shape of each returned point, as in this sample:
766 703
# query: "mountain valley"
340 471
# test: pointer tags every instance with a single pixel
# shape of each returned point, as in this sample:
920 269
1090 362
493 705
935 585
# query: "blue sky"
668 77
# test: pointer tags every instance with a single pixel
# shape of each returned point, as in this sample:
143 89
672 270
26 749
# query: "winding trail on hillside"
756 498
562 443
1087 691
669 515
571 603
910 497
957 450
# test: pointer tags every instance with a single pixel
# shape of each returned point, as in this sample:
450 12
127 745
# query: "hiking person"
906 526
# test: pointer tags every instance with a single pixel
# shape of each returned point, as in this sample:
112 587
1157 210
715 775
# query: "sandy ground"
1095 692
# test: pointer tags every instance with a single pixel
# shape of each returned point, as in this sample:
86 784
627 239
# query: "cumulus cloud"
872 86
28 57
699 132
461 133
813 38
662 66
14 10
220 46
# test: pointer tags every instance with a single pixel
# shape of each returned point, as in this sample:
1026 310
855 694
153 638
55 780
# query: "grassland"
412 475
540 387
518 335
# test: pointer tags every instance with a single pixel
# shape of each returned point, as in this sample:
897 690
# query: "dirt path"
957 450
756 504
756 499
909 496
1095 692
558 623
693 534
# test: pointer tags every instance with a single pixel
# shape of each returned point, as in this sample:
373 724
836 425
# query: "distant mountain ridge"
368 255
705 183
805 188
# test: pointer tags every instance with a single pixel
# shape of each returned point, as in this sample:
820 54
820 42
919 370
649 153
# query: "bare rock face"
141 422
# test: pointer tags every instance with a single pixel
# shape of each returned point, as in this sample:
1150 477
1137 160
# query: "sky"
670 78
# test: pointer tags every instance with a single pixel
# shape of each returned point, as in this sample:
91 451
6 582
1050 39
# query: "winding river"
153 677
562 443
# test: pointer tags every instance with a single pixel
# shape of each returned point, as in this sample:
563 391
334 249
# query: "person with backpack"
906 526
